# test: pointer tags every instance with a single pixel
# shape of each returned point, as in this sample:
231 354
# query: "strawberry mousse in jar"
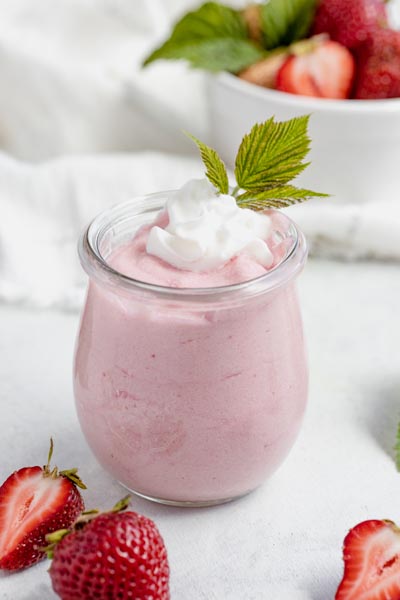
190 370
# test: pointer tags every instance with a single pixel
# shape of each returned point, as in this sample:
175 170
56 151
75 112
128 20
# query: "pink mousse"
189 402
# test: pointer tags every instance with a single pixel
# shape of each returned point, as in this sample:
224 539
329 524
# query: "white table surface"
288 534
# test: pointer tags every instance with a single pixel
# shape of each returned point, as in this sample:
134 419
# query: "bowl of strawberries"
337 60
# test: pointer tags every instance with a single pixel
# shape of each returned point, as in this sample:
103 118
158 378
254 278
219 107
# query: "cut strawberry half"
371 554
35 501
319 68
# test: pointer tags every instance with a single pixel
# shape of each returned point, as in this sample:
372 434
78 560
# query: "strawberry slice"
35 501
319 68
371 554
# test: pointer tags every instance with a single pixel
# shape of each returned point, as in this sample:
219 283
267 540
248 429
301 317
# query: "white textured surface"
286 536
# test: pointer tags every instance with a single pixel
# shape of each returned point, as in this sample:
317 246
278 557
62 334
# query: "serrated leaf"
285 21
214 37
219 54
272 153
276 197
216 170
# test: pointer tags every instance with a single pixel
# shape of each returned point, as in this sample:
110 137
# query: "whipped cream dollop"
206 229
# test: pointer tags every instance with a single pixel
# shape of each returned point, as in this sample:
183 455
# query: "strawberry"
371 554
112 555
320 68
379 66
33 502
350 22
265 71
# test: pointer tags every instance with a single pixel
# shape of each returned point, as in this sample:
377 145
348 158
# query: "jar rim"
96 265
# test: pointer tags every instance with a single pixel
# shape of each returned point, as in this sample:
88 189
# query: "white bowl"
355 151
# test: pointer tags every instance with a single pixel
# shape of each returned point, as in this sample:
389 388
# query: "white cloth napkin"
45 207
72 79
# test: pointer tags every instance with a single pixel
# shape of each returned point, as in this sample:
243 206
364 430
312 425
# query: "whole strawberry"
378 74
350 22
33 502
113 555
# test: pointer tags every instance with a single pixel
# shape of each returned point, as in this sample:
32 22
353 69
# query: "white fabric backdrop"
46 206
72 84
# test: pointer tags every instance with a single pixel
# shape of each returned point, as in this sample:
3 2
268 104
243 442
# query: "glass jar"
189 396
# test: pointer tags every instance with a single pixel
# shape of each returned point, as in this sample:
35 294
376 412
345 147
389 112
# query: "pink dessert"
196 396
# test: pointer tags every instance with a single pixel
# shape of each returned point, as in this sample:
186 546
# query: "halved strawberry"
35 501
371 554
317 67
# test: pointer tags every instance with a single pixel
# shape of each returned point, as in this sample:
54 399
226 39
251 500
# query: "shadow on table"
322 588
383 415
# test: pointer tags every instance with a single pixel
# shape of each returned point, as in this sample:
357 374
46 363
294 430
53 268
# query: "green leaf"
285 21
214 37
219 54
397 448
121 504
272 154
276 197
216 170
269 157
72 475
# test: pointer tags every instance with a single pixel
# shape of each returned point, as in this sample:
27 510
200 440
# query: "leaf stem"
235 191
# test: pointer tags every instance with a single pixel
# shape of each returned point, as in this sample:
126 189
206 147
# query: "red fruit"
112 556
325 71
33 502
379 66
350 22
371 554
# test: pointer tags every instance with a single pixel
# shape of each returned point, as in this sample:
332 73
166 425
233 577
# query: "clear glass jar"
188 396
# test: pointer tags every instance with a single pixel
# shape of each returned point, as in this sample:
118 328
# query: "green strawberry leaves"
269 157
213 37
286 21
216 37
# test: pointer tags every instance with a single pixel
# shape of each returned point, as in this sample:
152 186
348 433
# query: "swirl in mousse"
190 370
